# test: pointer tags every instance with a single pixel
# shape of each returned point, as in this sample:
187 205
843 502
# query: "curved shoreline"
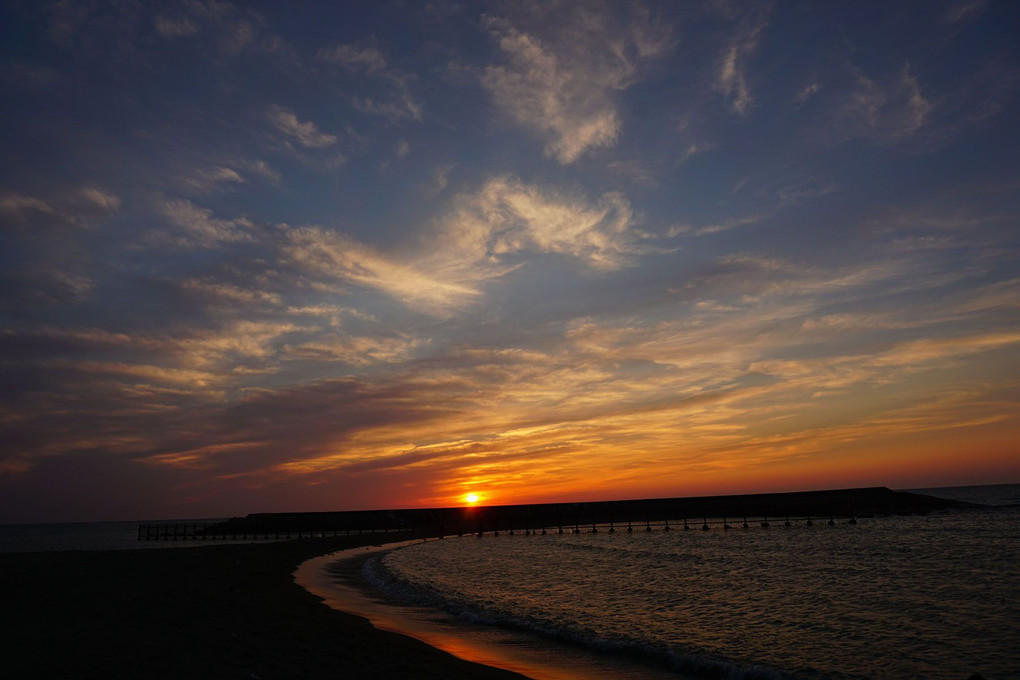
209 611
336 578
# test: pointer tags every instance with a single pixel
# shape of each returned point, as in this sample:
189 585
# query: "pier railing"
235 530
664 514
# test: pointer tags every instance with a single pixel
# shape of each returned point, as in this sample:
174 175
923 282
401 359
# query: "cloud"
562 85
974 99
966 10
236 30
305 133
218 292
201 227
886 111
740 376
202 171
27 76
21 209
237 346
706 230
175 27
731 79
394 100
60 280
187 354
513 410
204 180
237 37
506 217
262 169
495 328
77 208
354 350
98 200
396 109
913 354
587 395
145 372
807 92
485 235
368 59
327 253
940 217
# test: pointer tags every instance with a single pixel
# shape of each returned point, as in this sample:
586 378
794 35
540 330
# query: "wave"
691 662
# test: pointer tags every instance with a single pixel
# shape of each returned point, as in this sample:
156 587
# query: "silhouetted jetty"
659 514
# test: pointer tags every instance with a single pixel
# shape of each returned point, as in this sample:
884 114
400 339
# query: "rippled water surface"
933 596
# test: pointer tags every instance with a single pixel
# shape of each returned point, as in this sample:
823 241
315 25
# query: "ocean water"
934 596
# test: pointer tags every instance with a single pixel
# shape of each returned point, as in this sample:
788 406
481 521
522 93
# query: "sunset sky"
324 256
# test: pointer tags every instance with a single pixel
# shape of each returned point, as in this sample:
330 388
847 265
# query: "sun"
472 498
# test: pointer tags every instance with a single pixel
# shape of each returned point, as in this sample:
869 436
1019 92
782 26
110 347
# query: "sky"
262 256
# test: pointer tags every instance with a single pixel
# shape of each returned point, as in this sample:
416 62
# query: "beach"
223 611
788 601
341 580
885 597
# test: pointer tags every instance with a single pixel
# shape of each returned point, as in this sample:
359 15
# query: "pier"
709 513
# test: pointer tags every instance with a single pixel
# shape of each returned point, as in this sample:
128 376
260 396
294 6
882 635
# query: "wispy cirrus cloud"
204 180
963 10
358 351
550 411
506 216
888 111
708 229
305 133
236 30
175 27
394 99
145 372
731 80
354 58
76 207
198 226
20 209
212 290
221 349
563 85
485 234
709 384
225 172
334 255
45 238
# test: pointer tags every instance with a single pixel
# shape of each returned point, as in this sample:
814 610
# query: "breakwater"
659 514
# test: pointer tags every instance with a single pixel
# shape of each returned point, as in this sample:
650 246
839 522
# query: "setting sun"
472 498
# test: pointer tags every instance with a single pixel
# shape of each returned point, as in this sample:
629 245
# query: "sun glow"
472 498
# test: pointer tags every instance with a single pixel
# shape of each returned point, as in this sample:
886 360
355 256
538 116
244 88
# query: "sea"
932 596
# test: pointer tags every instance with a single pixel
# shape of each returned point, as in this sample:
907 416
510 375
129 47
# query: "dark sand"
224 611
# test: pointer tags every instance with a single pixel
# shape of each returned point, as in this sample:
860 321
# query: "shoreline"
337 579
212 611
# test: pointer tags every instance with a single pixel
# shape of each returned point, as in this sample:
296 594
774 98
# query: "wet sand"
224 611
